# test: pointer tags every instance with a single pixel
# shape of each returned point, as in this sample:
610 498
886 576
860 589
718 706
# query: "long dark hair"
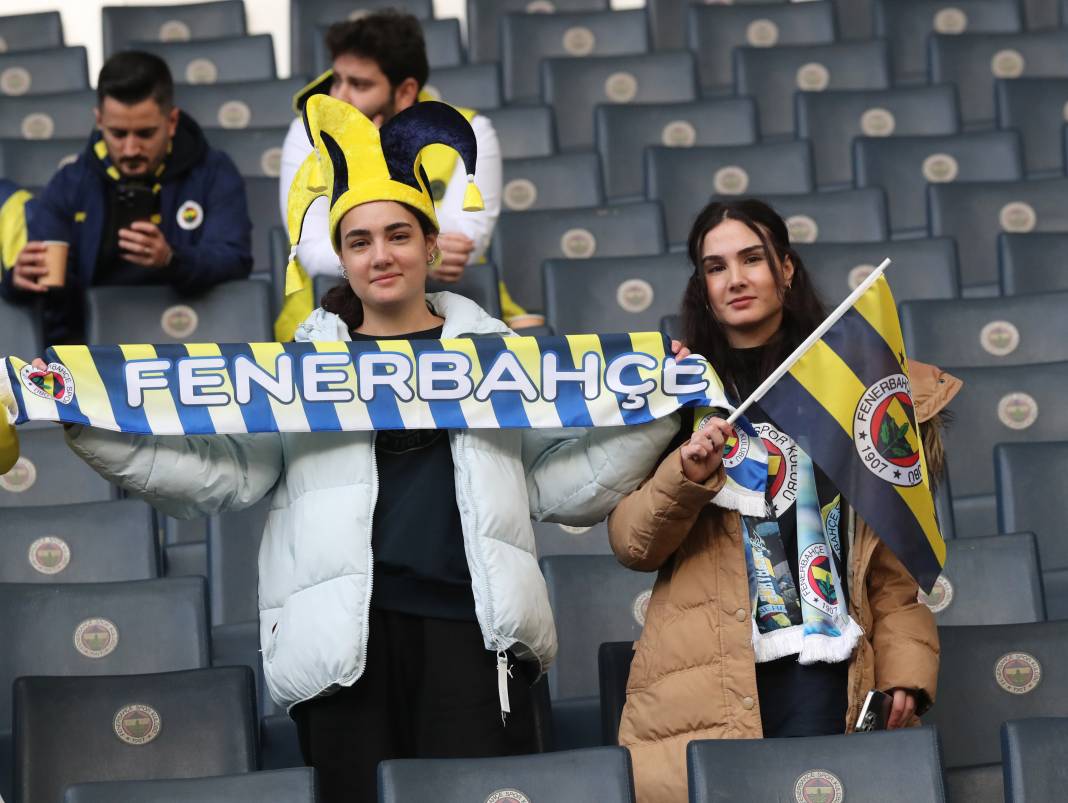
802 309
343 301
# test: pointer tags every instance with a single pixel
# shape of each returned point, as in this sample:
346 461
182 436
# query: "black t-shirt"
420 564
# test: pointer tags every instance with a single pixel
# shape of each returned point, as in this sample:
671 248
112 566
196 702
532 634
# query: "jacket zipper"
370 554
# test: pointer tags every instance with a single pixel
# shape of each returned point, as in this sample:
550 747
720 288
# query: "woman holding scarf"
730 648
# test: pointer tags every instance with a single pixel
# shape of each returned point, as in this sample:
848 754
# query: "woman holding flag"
774 619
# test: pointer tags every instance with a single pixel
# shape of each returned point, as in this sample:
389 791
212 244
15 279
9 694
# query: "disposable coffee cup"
526 321
56 262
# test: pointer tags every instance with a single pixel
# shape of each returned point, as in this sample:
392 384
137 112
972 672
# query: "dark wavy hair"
342 299
392 39
802 309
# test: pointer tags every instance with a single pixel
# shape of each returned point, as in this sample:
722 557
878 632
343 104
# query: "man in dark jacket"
147 202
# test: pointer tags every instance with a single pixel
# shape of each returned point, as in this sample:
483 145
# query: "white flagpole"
819 332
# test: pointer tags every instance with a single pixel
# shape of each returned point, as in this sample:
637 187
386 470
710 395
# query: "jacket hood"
932 389
462 317
187 150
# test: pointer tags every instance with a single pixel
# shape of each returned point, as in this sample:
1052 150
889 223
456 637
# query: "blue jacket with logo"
203 215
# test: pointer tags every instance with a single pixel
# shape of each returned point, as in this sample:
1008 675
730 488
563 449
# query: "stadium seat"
622 132
975 213
157 314
307 16
261 194
187 559
908 23
483 20
257 152
818 767
613 672
91 542
684 180
233 554
50 69
19 331
1042 14
551 182
561 539
855 18
296 785
1032 754
1003 404
993 673
831 120
1035 108
444 47
526 39
713 31
30 31
49 473
1030 494
961 595
833 217
774 76
524 131
903 166
943 504
1032 263
279 743
973 62
613 294
667 20
977 332
242 104
918 268
78 729
524 240
32 163
473 86
574 86
124 25
58 114
602 774
209 61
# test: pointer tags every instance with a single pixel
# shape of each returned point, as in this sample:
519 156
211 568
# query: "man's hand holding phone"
144 244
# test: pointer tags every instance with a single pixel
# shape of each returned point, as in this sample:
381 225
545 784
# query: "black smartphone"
134 202
876 712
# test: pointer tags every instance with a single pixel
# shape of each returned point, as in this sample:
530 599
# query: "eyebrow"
392 227
742 253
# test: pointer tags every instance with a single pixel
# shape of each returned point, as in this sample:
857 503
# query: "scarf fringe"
734 497
811 649
776 644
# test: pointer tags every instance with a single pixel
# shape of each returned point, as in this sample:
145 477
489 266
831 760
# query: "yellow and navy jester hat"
354 163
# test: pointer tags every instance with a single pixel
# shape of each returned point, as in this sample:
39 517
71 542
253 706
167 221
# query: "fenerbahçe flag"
849 402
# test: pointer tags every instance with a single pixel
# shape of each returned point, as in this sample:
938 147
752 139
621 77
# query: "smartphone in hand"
134 202
875 713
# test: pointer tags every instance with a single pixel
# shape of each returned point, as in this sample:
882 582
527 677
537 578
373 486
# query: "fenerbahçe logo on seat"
885 433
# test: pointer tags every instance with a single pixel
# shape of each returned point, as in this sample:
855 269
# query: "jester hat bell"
354 163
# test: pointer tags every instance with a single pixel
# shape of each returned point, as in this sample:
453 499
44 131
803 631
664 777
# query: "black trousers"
429 690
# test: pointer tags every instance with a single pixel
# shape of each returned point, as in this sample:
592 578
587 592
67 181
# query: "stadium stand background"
932 132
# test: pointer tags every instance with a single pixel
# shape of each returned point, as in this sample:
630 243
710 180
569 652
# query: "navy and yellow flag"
848 398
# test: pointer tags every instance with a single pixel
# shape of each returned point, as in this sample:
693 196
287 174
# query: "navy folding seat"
444 45
918 268
256 152
1032 263
524 131
623 132
124 25
209 61
903 166
552 182
1035 107
574 86
56 114
49 473
1002 404
1032 754
684 180
907 24
713 31
307 16
19 331
261 194
30 31
242 104
975 213
31 163
855 18
613 294
526 39
474 86
975 61
1030 494
38 72
1042 14
562 539
297 785
524 240
833 217
831 120
484 16
775 75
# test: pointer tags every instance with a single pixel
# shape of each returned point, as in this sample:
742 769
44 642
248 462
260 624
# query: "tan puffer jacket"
693 675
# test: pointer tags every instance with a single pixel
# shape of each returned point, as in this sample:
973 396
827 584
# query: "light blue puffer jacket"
315 560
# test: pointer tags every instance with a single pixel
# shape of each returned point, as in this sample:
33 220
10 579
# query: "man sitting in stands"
147 202
379 65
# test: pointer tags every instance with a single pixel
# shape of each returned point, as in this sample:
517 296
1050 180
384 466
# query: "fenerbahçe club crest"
885 433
